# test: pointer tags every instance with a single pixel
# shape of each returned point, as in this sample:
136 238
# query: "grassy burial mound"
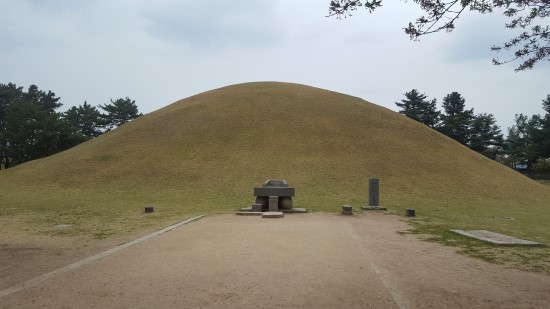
204 154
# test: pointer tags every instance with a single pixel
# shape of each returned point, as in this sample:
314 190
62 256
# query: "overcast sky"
157 52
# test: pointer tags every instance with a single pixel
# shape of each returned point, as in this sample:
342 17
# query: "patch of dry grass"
204 154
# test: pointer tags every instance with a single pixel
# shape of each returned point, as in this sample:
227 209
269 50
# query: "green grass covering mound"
204 154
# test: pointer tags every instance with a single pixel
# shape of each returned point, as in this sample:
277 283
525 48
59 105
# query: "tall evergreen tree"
9 94
46 100
119 112
456 119
418 107
529 139
485 136
515 144
520 142
543 138
87 119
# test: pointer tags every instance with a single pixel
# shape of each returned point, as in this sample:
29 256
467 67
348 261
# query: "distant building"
521 165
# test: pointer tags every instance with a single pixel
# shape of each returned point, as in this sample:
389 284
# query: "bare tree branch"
530 47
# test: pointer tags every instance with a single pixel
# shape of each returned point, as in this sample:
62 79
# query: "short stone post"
256 207
273 203
374 192
410 212
347 210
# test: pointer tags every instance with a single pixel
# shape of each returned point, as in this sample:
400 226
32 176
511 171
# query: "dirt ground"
299 261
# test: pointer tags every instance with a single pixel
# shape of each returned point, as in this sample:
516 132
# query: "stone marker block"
496 238
373 208
295 210
273 214
249 213
374 192
256 207
149 209
347 210
410 212
273 203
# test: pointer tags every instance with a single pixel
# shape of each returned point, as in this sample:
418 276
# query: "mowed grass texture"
204 155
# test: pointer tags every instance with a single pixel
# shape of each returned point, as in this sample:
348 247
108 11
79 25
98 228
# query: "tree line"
31 127
527 141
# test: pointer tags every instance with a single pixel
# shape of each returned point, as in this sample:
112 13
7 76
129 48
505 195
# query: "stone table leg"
273 203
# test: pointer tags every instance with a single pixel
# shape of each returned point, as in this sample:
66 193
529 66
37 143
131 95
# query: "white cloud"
158 52
214 25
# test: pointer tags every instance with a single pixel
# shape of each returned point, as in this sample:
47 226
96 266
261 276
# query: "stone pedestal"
273 203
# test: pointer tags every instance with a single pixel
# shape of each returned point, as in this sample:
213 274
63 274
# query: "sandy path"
302 260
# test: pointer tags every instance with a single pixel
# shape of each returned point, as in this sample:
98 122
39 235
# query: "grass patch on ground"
527 258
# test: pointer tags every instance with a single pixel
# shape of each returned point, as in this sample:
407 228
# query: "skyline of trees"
31 127
528 140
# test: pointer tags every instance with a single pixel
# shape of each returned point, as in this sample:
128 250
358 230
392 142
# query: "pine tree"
543 140
87 119
485 136
521 144
119 112
418 107
9 94
456 120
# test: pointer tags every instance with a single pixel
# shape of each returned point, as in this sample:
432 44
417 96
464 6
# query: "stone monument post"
374 192
374 195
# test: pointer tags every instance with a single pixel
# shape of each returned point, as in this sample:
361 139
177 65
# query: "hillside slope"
205 154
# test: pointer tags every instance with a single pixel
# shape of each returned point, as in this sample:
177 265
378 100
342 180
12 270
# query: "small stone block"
249 213
246 209
149 209
273 214
347 210
256 207
410 212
